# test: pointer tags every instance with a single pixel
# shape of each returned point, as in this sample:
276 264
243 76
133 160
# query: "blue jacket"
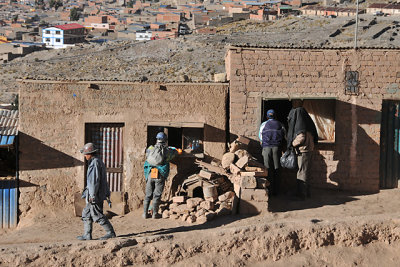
271 133
96 181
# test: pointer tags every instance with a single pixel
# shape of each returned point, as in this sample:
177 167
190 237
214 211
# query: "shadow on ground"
219 221
319 198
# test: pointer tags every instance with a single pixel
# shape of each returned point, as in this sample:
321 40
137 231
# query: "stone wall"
52 130
352 161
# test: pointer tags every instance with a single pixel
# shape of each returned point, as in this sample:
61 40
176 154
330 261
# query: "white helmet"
88 148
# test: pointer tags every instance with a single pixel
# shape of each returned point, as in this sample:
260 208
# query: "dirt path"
332 229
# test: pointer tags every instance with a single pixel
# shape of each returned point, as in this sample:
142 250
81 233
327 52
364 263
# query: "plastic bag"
289 159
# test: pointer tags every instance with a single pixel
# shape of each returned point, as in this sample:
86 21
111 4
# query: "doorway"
389 168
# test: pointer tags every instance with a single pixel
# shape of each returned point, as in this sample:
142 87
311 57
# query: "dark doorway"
281 107
389 169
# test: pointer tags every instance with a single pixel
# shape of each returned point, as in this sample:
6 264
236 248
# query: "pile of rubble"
236 183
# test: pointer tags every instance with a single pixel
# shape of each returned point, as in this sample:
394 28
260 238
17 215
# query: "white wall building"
143 36
62 36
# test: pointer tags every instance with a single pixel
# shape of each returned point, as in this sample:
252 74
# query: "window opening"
352 83
108 139
322 112
190 139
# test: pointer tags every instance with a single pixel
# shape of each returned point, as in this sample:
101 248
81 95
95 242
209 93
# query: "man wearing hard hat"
96 191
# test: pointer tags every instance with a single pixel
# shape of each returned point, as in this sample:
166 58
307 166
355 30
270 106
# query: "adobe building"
352 95
122 119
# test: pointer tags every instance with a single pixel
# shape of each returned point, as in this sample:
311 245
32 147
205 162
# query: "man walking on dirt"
96 191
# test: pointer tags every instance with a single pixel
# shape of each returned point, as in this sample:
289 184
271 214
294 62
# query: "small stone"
200 213
191 219
223 211
207 205
202 219
165 214
193 202
174 216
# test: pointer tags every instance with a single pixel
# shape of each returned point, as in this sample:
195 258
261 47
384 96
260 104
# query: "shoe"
145 215
87 228
84 237
156 216
110 233
108 236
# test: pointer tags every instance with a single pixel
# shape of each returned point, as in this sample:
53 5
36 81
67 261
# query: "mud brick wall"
52 130
352 162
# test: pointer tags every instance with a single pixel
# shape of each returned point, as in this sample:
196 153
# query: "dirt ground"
330 229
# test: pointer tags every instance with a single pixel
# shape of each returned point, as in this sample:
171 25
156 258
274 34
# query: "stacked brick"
237 183
198 209
248 176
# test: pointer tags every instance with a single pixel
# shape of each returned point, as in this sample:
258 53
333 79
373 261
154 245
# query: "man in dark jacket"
96 191
302 135
271 135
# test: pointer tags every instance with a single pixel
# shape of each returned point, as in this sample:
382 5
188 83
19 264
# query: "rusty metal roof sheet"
8 122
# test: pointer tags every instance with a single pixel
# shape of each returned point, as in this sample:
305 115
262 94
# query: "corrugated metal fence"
8 203
108 139
390 145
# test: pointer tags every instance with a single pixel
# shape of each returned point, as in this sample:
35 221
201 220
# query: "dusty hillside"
193 57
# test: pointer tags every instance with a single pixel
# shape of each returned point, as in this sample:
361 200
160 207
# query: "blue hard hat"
161 136
270 113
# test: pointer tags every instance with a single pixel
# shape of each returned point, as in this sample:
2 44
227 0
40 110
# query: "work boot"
145 209
156 215
109 230
87 228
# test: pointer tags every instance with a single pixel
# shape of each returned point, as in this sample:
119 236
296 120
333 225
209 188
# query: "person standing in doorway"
156 171
271 135
302 136
96 191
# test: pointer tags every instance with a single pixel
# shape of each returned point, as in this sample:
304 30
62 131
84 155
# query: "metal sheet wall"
390 145
8 203
108 139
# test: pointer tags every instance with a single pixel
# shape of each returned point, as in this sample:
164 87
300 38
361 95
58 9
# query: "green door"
389 170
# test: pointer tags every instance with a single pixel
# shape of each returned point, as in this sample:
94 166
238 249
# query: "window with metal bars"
352 83
108 139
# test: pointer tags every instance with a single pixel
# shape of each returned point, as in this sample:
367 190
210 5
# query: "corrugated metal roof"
8 123
70 26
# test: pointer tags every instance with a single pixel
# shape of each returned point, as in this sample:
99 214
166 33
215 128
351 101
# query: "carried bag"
156 155
289 159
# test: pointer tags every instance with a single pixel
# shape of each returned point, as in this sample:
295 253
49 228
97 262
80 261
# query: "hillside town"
27 26
178 133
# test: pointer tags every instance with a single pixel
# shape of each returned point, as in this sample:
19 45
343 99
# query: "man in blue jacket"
156 171
96 191
271 135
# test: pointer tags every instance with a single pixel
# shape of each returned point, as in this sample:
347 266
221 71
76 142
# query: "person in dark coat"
96 191
271 135
302 135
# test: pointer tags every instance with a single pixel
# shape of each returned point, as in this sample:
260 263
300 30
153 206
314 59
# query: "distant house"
62 36
393 9
144 36
328 11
